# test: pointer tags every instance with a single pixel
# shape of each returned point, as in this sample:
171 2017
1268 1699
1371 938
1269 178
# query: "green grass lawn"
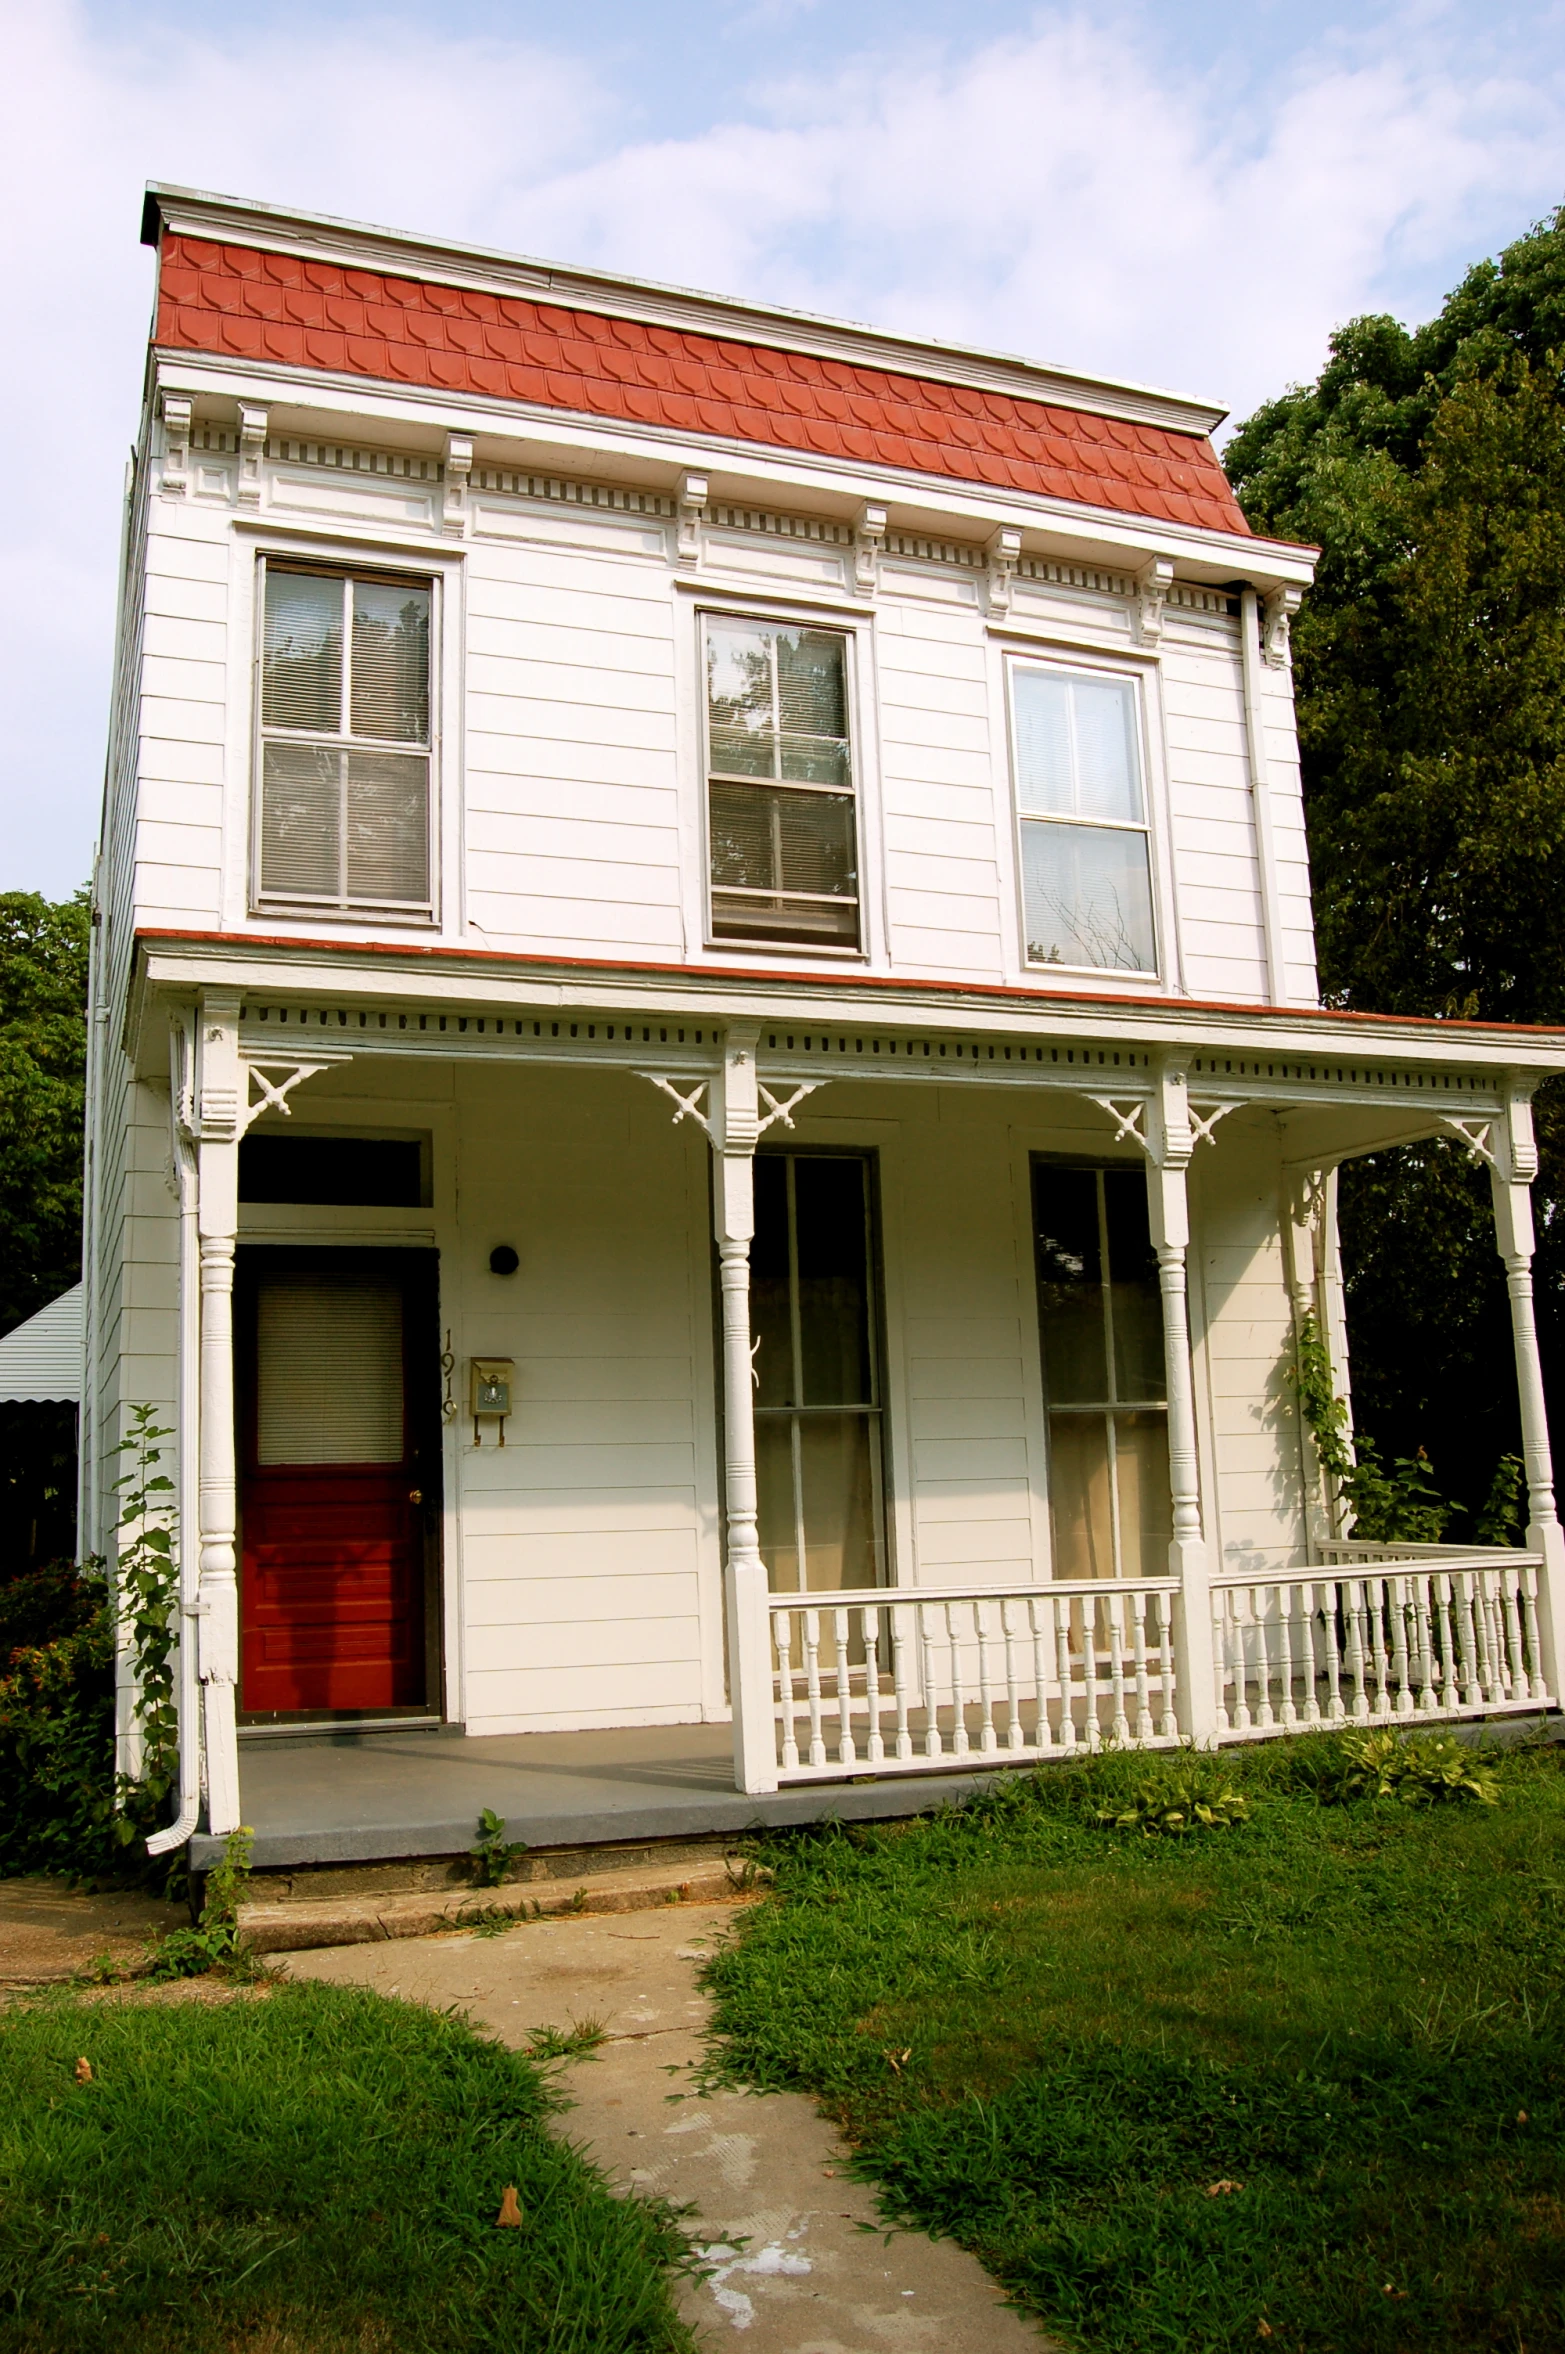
305 2170
1300 2082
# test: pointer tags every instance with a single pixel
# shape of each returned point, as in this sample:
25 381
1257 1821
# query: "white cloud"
1063 192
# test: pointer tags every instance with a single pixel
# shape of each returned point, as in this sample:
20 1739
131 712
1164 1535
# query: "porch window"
782 826
1100 1314
1085 856
345 743
817 1401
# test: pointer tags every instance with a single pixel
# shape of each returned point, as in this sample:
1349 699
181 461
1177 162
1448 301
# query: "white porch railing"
915 1680
888 1681
1377 1635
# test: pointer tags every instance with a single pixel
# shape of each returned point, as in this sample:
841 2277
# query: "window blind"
329 1377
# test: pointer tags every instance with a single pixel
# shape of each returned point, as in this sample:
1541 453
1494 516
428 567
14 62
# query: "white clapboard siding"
1247 1336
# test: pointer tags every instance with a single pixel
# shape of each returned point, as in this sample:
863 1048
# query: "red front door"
337 1497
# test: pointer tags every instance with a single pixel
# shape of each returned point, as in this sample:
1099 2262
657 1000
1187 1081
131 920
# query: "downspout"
181 1047
1261 793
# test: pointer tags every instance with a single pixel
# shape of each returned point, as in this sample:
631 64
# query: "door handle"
415 1495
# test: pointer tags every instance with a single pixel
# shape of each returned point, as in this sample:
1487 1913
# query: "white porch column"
222 1089
734 1125
1513 1166
1170 1142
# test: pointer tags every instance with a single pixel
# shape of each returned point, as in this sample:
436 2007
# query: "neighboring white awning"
43 1358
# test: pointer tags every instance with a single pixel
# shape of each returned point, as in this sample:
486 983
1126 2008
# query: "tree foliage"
1429 664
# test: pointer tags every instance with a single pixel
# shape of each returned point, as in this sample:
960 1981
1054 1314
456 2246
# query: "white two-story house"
709 1103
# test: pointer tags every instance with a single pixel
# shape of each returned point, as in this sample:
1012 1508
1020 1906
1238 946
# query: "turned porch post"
734 1125
221 1097
1170 1142
1513 1164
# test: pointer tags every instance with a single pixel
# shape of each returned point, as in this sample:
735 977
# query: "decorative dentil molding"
458 471
868 540
252 449
177 411
1277 611
1153 583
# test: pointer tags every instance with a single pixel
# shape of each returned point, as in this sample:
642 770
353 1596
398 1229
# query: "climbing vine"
147 1593
1398 1504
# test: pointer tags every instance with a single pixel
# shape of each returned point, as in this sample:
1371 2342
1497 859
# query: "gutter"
1261 790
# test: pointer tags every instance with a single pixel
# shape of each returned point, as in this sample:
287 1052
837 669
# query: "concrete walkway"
800 2262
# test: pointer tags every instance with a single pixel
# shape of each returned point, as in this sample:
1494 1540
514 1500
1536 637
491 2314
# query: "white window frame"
348 564
836 624
1072 665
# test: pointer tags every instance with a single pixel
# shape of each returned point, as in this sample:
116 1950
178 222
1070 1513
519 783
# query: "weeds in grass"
1347 2010
566 2043
213 1943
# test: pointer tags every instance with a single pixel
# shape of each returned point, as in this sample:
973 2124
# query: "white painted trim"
945 505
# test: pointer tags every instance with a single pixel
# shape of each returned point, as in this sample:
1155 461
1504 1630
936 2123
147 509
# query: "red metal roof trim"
1430 1025
253 305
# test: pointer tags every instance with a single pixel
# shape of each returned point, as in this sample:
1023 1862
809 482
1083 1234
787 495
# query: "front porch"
770 1527
347 1797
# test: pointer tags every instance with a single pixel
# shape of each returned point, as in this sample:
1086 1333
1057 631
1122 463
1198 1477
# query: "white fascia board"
359 245
274 972
835 486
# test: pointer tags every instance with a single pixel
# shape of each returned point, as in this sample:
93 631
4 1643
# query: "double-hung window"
1081 798
345 746
782 826
1100 1312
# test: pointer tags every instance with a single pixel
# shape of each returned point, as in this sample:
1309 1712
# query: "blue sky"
1189 195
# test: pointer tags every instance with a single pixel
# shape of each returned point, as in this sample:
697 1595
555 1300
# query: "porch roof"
349 1797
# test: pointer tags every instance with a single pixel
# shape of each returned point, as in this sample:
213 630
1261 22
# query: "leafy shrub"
1424 1771
57 1598
1172 1807
57 1752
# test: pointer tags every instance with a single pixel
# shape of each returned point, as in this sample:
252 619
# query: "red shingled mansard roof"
300 313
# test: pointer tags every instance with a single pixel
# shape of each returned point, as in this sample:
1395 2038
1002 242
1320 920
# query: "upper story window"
781 820
345 745
1085 854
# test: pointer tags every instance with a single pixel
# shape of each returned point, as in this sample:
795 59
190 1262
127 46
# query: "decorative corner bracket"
779 1111
692 1096
1278 608
1153 583
177 415
252 449
1476 1138
1128 1113
1005 551
459 466
274 1080
694 492
868 540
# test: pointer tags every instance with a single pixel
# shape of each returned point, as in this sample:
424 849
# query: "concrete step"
299 1926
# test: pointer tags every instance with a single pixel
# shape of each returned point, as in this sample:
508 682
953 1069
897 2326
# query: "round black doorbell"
503 1260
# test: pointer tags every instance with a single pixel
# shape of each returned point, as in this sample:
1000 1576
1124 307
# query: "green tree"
1429 467
43 1057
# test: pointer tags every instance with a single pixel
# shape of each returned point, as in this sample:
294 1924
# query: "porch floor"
366 1797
